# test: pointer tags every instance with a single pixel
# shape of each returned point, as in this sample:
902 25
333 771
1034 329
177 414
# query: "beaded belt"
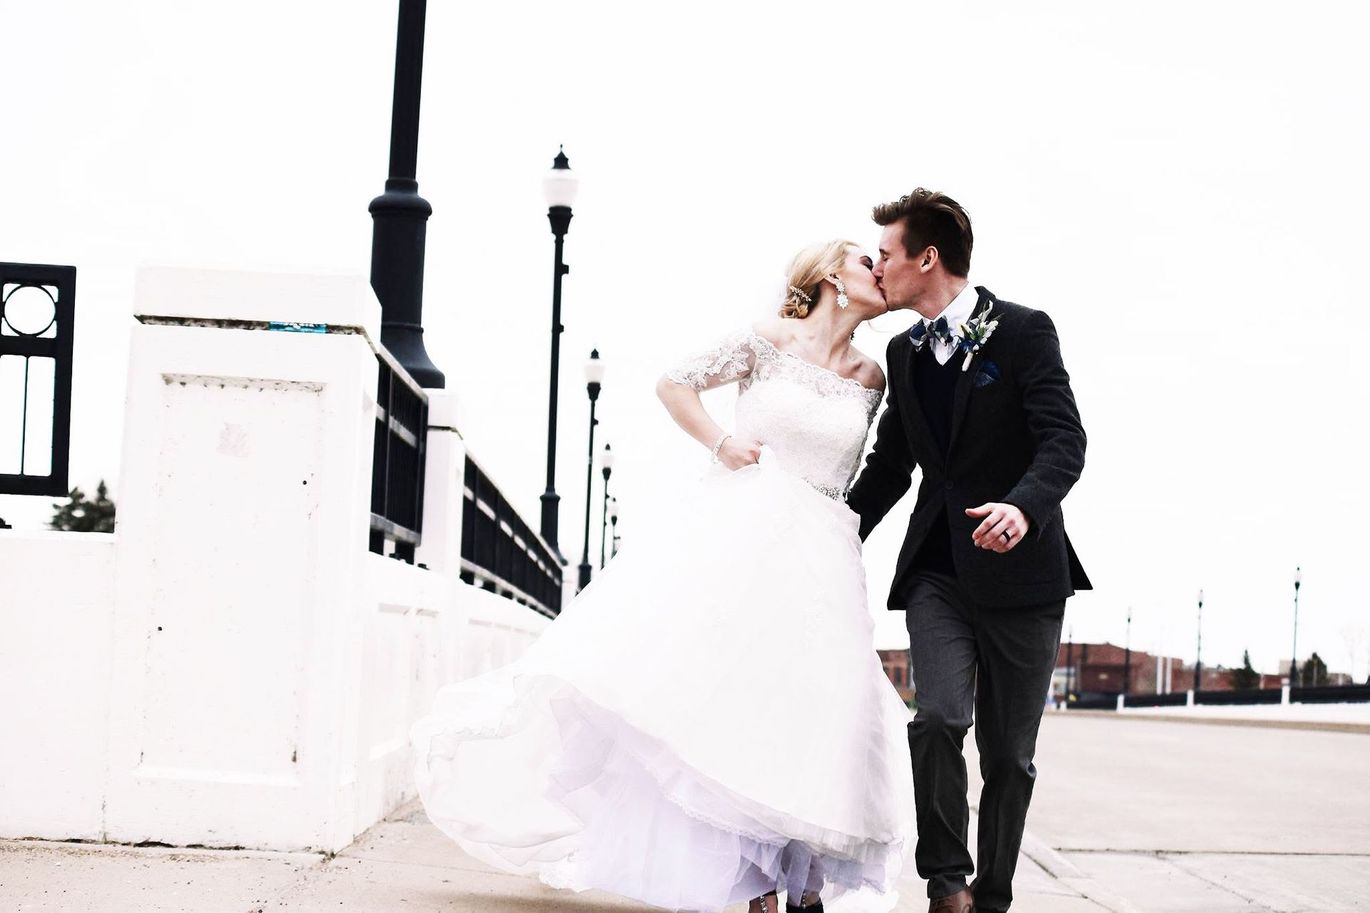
831 491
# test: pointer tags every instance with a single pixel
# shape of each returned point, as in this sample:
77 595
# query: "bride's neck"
829 328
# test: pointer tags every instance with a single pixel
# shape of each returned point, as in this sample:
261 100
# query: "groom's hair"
931 219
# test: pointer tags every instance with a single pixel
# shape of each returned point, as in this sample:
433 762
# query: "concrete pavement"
401 864
1150 816
1129 816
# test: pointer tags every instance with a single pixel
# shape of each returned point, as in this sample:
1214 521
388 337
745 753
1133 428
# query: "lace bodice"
814 419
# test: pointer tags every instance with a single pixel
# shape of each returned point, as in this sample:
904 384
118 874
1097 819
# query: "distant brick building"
896 663
1096 670
1099 669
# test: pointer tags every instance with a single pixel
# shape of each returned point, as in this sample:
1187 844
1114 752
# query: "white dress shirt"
958 311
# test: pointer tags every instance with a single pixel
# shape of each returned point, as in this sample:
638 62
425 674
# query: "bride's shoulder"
773 330
868 371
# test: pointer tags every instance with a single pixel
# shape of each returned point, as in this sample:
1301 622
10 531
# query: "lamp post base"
551 503
399 228
584 577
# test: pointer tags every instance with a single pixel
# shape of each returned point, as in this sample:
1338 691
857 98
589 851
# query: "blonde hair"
806 272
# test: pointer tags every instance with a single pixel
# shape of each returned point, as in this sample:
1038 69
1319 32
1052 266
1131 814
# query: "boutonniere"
974 333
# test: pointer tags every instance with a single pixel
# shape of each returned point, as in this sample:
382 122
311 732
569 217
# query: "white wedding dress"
709 717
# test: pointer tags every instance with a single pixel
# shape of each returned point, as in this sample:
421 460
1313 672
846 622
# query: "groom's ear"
928 259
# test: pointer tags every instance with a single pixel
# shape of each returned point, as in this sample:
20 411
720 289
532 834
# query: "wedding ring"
1008 536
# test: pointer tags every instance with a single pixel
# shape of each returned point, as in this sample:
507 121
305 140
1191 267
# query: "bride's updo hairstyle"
805 275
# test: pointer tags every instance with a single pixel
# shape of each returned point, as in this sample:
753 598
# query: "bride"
708 721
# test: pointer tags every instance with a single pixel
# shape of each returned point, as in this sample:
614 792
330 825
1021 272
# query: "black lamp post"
613 523
1127 654
559 187
606 464
594 378
400 216
1198 649
1294 656
1070 663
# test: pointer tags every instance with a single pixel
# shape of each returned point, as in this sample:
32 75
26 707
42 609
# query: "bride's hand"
735 454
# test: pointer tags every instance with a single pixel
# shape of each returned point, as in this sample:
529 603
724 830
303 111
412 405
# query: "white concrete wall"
56 625
420 631
233 667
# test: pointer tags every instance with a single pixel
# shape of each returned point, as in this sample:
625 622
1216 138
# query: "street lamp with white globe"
606 467
613 525
559 188
594 380
1294 656
1199 648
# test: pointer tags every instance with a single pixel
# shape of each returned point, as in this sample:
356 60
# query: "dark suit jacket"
1016 438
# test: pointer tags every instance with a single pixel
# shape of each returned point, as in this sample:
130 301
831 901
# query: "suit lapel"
965 379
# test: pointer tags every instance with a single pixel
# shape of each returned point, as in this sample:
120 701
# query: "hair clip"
800 293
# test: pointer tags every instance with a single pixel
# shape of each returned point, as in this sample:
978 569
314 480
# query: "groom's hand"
1002 528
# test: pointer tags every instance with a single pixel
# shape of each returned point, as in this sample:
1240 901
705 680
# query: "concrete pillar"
444 482
243 523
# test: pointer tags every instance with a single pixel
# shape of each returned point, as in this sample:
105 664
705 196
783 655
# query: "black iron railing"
1169 699
1322 694
1329 694
1242 697
1093 702
501 553
37 314
397 470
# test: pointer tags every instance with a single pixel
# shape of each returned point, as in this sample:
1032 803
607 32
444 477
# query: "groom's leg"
942 657
1018 648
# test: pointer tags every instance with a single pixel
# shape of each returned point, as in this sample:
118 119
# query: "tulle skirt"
705 721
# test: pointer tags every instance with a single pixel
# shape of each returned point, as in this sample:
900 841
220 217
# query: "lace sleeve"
730 360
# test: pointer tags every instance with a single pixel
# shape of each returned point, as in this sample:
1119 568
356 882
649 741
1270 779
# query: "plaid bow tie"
924 330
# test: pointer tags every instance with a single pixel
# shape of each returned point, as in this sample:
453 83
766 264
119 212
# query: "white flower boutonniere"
974 333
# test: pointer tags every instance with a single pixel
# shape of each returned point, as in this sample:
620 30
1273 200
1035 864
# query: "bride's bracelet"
713 454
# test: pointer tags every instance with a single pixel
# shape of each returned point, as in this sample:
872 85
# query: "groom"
979 399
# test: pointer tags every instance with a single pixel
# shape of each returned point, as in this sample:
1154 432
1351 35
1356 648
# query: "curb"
1307 726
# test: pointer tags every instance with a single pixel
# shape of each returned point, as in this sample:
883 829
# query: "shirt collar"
961 308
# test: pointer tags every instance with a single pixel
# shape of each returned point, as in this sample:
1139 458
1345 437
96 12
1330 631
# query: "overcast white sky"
1180 185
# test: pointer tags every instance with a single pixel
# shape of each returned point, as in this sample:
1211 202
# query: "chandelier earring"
842 301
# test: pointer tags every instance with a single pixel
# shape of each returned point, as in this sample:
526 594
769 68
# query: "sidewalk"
1129 816
401 864
1157 816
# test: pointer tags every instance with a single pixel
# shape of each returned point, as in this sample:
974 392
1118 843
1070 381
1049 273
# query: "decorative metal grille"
37 312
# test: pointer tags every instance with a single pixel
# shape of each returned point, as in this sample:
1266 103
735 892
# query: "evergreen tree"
1246 677
79 515
1314 671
